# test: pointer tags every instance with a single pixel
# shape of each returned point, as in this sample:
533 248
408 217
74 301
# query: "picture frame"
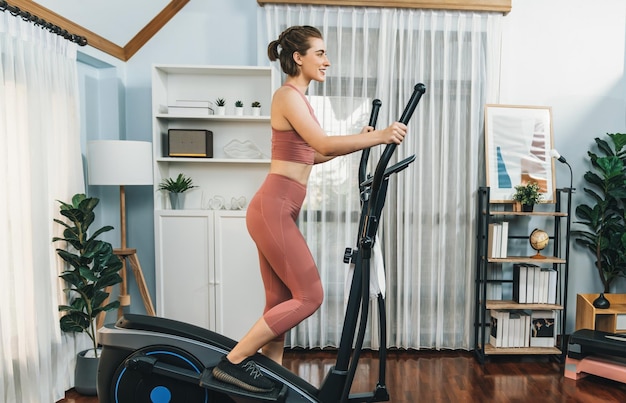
518 141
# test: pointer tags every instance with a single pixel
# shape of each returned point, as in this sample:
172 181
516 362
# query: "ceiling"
121 27
117 27
115 20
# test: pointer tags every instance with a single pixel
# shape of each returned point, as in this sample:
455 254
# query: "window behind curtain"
427 230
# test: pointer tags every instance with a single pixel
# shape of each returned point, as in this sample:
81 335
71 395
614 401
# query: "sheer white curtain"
40 162
427 230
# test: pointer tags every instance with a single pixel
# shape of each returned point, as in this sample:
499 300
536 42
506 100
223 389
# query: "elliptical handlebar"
376 104
418 91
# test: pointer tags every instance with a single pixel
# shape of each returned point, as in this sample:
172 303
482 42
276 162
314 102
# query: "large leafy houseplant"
91 267
603 218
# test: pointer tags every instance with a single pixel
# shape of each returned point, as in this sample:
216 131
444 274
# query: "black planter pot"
86 374
528 208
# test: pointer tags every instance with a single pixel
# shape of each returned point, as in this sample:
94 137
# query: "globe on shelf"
538 241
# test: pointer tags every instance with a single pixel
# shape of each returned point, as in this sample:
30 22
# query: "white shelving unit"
205 260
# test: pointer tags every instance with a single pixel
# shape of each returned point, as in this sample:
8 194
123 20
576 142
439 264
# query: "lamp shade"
119 162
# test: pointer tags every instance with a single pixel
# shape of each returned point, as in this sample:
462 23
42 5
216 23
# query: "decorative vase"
177 200
221 110
238 111
601 302
256 111
528 208
86 373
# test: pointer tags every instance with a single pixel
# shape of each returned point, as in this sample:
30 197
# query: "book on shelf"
499 327
509 328
542 329
530 284
520 287
504 239
552 284
498 234
525 329
493 248
538 285
515 327
533 284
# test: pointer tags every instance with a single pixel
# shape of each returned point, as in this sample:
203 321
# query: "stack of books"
498 240
533 284
521 328
184 107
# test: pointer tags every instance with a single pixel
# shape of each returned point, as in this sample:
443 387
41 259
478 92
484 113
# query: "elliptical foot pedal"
208 381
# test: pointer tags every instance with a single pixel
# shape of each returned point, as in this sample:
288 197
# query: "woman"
292 284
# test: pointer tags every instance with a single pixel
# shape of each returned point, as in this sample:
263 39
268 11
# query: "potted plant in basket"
527 195
176 188
603 218
91 268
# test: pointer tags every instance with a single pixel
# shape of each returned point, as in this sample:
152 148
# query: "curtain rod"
55 29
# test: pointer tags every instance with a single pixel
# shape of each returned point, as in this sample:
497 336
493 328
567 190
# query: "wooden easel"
130 255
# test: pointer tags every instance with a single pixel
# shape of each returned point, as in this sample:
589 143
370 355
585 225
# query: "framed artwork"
518 140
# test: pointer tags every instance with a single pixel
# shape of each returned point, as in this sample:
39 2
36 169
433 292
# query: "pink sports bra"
287 145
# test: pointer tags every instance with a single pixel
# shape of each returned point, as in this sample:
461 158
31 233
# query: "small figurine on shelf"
239 108
221 106
256 108
527 196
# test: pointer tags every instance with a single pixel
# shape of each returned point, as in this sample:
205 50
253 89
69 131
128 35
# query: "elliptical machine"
157 360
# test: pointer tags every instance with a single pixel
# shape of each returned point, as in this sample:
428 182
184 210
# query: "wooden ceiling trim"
501 6
95 40
153 27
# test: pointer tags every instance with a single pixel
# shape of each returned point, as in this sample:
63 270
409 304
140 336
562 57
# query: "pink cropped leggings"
293 290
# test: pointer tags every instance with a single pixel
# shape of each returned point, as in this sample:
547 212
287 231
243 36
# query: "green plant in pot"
604 233
176 188
527 195
91 268
221 106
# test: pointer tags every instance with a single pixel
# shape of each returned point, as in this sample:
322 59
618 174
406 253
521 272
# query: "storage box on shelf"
612 319
202 251
535 287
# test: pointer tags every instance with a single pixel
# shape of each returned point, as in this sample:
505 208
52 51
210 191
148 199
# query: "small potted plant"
527 195
91 268
256 108
221 106
239 108
176 188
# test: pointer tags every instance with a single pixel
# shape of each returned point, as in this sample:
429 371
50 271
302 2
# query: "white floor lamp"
123 163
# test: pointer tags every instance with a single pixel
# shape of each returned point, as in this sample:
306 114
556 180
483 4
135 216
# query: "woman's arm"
289 109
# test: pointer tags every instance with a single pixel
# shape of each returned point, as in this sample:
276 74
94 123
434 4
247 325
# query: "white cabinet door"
183 266
240 296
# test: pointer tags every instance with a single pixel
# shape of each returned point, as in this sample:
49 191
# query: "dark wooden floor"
454 377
